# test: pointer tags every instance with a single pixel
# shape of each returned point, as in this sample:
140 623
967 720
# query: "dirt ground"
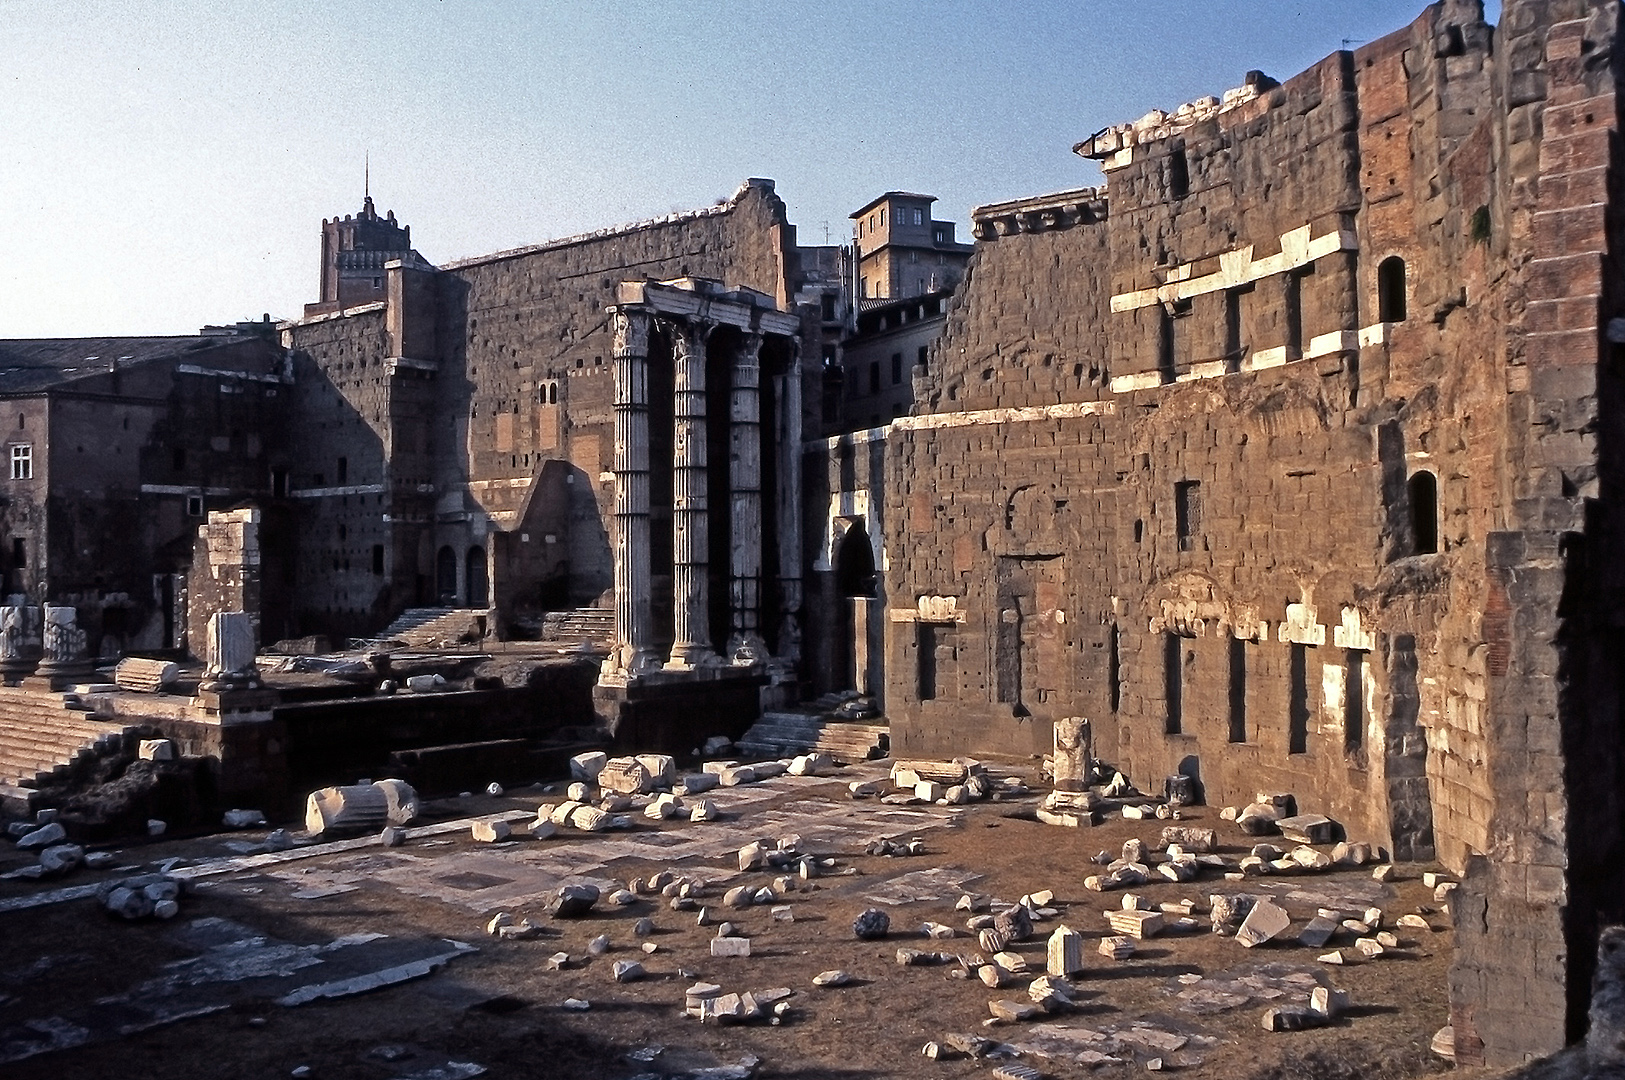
69 967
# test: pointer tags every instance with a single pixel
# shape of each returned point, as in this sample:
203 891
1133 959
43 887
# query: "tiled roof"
30 365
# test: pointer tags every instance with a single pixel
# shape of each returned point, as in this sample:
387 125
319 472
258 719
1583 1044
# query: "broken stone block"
575 1004
1134 851
1433 879
1414 922
1355 926
872 925
538 830
1136 924
156 750
863 789
627 971
1307 828
662 807
1266 920
937 930
155 827
577 792
834 977
1064 952
1050 993
1014 963
1116 947
730 946
1012 1071
42 837
392 836
626 775
1387 940
1328 1002
61 858
1370 948
696 783
1385 872
587 766
739 896
1189 837
662 769
497 922
490 832
1015 923
972 902
1318 932
599 945
704 810
557 962
751 856
590 819
1279 1019
1442 891
991 940
1178 870
1333 957
1258 819
574 901
1012 1011
1347 854
361 807
1310 859
928 791
738 774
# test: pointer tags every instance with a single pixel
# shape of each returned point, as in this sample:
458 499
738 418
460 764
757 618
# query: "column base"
626 664
690 657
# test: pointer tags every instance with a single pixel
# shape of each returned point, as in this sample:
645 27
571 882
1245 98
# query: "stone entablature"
1114 146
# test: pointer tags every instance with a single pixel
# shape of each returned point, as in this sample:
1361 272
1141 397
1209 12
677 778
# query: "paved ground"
259 974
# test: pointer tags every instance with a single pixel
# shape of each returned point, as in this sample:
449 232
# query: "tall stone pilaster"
634 652
745 645
690 508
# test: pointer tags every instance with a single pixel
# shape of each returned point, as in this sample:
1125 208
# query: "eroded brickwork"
1285 461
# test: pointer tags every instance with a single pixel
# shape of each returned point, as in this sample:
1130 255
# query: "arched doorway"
445 575
479 592
855 592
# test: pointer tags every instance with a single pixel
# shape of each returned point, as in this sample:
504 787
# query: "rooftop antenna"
366 170
1352 41
826 234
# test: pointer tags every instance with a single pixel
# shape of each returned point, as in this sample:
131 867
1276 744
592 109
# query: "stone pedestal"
15 659
1072 749
231 655
64 662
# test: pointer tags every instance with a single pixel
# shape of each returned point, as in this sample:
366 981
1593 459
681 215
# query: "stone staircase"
584 627
432 628
816 727
42 738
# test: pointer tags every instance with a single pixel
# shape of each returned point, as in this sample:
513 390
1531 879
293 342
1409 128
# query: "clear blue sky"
167 163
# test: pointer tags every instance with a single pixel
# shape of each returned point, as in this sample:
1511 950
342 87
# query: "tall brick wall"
1175 461
502 372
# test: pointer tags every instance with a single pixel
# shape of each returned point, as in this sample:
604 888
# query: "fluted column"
690 510
745 645
634 652
789 515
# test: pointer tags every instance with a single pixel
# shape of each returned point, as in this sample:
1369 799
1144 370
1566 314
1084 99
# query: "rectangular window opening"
1173 684
22 462
378 559
1298 701
1238 690
928 661
1354 701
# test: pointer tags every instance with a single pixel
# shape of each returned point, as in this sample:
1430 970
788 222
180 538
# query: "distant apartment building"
901 250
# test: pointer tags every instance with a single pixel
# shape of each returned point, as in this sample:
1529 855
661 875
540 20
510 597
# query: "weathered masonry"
458 436
1307 478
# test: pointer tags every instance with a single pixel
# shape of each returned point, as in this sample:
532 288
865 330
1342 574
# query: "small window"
378 283
344 469
1179 173
874 377
378 559
1391 289
919 217
1422 490
1188 513
882 219
924 352
927 673
177 458
896 368
939 235
828 306
194 506
19 553
279 483
22 462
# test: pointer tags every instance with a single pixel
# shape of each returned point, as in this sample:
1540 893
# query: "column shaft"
745 646
634 653
788 439
690 509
